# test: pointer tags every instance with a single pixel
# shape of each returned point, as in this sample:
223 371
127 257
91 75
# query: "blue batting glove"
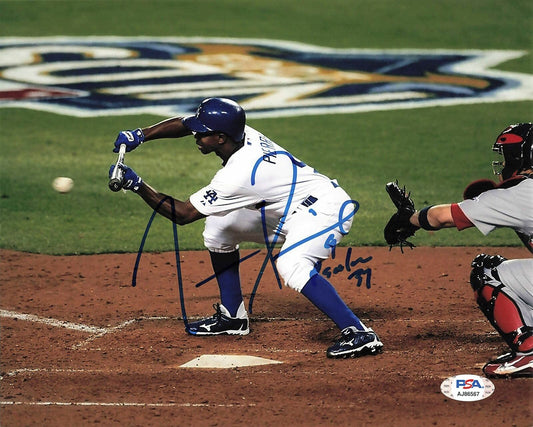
130 180
132 139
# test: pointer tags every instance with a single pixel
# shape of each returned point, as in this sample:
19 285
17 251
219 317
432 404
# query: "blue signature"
357 274
270 245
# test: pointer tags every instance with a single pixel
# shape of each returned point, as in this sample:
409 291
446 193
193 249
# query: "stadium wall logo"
95 76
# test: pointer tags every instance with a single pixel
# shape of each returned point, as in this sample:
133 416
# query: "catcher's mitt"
399 228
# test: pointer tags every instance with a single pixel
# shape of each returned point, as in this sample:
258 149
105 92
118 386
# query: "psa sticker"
467 388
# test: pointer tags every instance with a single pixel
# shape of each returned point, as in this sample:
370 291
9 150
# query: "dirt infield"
80 346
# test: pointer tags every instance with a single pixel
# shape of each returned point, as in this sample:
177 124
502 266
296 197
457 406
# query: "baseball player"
261 192
503 288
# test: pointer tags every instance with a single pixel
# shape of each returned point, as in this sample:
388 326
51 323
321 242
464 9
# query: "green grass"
355 23
435 152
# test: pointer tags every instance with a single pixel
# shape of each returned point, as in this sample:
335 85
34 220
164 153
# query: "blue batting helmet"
218 115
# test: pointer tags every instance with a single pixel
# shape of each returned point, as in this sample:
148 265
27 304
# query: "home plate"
225 361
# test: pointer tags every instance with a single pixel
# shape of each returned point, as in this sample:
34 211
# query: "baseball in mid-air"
63 184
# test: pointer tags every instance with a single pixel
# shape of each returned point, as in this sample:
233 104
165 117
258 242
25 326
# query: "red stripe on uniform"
459 218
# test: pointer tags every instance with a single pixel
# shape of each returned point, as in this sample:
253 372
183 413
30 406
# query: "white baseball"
63 184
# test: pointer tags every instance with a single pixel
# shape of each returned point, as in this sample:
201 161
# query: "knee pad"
479 265
497 306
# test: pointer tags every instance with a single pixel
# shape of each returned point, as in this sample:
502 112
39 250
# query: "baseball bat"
115 182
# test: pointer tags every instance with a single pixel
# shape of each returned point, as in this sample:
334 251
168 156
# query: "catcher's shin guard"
499 308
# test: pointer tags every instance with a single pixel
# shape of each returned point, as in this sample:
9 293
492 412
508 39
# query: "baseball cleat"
510 365
354 343
221 323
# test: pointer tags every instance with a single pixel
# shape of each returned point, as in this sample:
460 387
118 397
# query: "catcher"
503 288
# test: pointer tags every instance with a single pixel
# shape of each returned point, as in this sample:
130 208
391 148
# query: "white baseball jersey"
502 207
508 207
260 173
314 210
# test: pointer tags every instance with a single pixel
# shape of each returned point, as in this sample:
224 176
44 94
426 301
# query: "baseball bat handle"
116 180
115 184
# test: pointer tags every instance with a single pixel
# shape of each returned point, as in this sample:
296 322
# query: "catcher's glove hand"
399 228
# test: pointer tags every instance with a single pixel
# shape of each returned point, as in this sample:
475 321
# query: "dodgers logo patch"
210 197
97 76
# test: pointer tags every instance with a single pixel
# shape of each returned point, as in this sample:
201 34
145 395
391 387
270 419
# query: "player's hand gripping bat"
116 180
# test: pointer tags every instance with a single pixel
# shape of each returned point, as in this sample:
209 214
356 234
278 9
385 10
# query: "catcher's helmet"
514 143
218 115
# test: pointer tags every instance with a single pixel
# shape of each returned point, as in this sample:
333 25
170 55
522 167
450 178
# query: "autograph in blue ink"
347 267
331 242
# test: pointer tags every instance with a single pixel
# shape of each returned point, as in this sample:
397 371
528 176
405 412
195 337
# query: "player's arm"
169 128
176 210
407 220
440 216
181 213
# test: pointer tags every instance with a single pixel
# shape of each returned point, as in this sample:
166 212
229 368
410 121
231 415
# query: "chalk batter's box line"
98 332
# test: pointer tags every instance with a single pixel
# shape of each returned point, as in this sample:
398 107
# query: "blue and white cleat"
221 323
355 343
